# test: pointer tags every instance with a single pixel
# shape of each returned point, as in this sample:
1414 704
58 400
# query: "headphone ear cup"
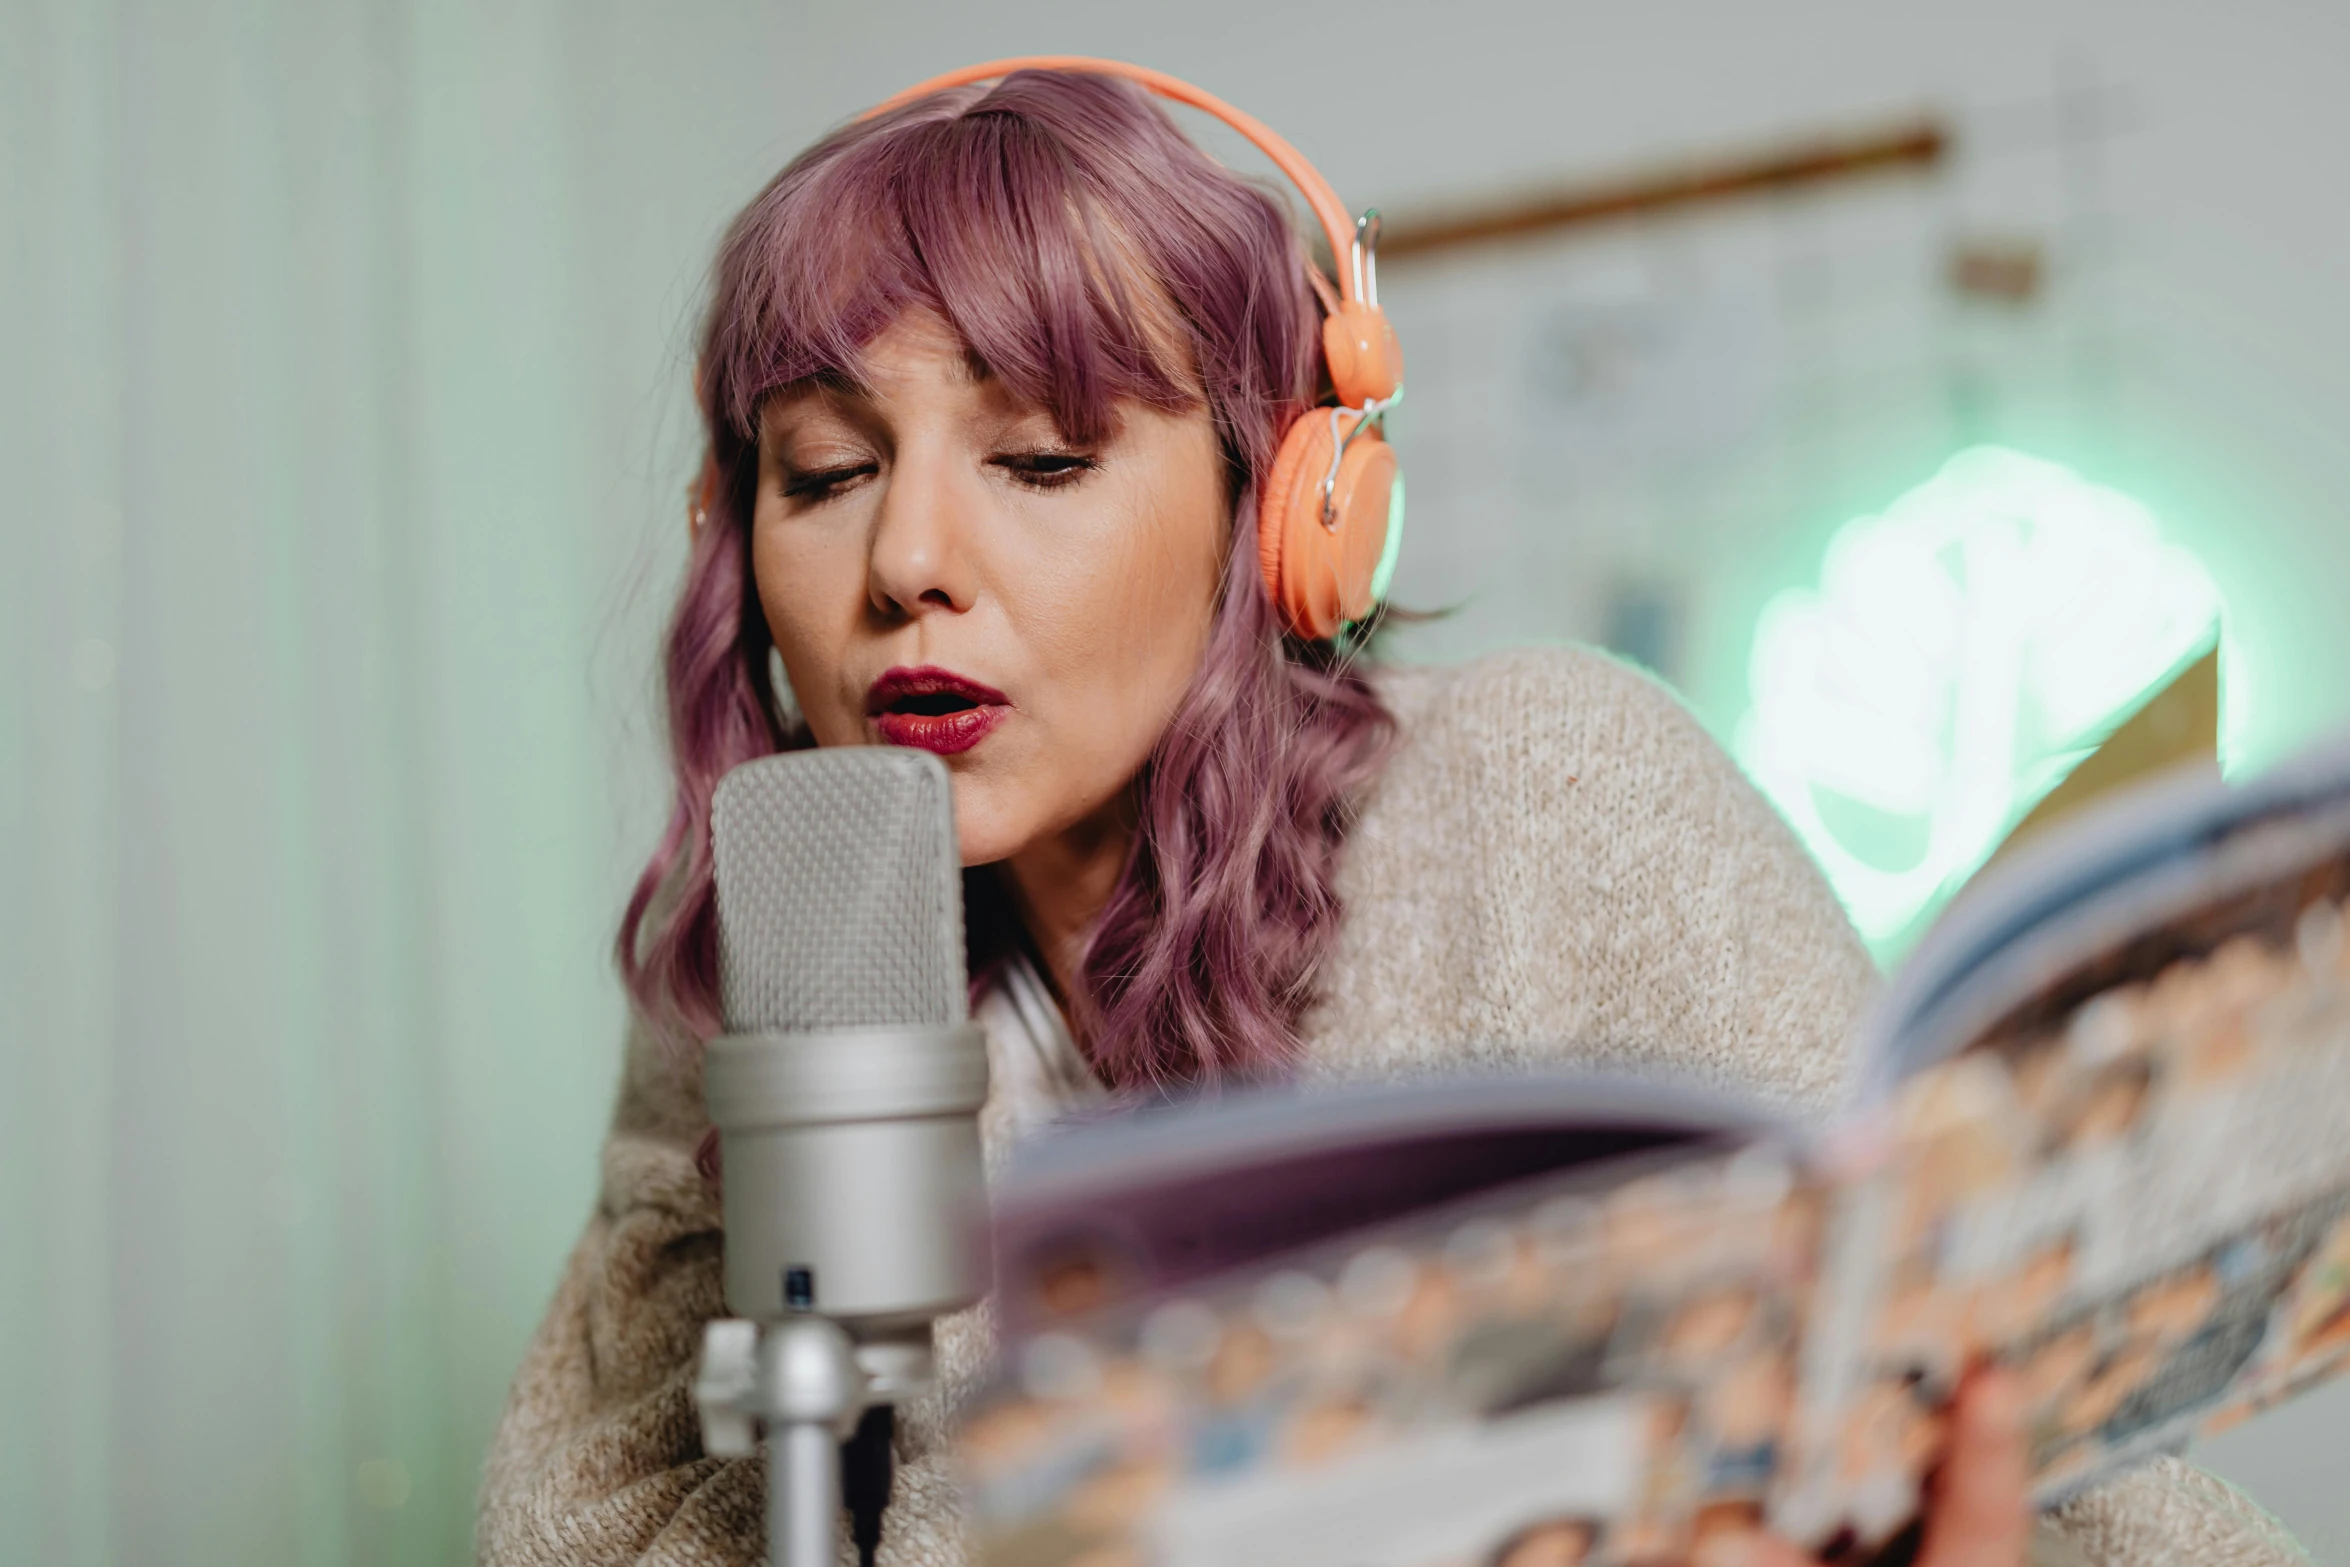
1305 446
1321 575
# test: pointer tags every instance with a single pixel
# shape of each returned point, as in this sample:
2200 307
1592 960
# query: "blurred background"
343 431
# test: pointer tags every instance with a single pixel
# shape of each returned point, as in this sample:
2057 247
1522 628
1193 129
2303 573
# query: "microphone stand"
800 1377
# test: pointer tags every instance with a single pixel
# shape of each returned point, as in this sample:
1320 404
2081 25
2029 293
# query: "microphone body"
846 1093
851 1158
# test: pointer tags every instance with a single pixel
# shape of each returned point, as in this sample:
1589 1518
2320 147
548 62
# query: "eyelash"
822 485
1033 470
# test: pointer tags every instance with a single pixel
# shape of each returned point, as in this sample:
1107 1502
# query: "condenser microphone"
846 1093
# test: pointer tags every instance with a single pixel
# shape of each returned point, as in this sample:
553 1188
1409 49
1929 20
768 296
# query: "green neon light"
1960 653
1384 572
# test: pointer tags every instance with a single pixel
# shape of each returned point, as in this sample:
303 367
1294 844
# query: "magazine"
2103 1138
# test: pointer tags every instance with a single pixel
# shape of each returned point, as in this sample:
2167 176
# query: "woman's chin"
982 838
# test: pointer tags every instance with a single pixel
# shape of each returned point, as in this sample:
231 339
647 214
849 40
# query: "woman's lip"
928 680
943 734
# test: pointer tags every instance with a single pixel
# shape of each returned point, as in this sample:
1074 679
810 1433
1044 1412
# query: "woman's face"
941 568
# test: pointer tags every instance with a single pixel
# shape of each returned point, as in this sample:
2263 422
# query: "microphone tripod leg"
803 1494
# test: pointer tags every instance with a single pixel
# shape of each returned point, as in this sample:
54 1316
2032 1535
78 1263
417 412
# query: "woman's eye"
1045 470
824 483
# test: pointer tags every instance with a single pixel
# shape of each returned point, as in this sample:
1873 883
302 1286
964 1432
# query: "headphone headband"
1328 209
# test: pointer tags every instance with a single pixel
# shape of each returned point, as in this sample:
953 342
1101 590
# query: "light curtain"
342 450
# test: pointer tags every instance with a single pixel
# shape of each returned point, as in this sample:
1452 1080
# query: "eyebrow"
834 381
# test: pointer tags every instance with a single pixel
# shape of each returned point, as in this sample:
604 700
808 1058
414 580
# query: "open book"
2103 1136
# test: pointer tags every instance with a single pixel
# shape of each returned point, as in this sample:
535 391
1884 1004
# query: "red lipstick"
934 709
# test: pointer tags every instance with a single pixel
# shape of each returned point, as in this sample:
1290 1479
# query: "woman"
993 383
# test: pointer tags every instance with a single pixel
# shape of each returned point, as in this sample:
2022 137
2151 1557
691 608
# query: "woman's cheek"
1091 707
811 603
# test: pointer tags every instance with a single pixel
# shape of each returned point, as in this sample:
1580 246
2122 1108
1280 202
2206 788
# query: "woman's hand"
1980 1513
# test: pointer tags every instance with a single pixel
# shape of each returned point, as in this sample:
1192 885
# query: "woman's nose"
917 562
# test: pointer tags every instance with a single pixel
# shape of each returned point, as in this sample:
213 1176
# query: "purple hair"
1087 253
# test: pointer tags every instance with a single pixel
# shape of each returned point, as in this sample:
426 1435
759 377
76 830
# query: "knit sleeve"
598 1460
1562 865
2169 1511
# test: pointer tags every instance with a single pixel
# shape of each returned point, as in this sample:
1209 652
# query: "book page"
1577 1372
2149 855
2129 1181
2135 1191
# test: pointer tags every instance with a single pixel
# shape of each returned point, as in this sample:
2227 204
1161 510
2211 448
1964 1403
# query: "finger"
1981 1514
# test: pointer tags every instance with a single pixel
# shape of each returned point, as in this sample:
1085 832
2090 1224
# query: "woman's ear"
702 497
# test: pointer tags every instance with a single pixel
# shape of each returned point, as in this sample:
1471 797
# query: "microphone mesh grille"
839 892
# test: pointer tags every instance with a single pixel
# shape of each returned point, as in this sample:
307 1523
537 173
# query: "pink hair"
1086 253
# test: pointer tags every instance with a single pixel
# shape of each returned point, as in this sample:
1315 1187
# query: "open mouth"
931 704
934 709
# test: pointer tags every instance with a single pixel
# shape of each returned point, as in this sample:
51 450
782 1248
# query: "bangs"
986 220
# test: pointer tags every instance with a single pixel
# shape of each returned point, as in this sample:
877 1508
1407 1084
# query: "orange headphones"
1330 518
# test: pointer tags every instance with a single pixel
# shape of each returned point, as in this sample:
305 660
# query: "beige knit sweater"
1557 865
